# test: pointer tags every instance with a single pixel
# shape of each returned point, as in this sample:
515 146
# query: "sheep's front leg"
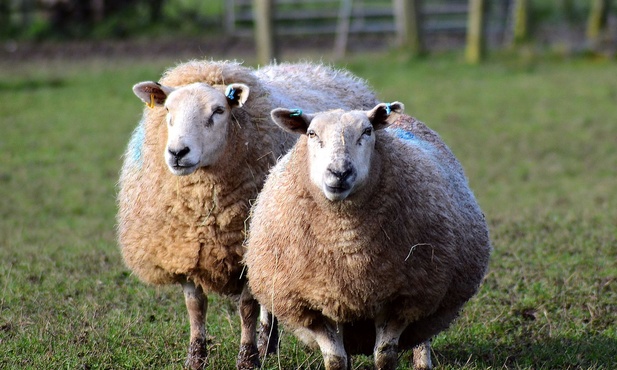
329 337
197 305
422 356
248 357
268 339
388 330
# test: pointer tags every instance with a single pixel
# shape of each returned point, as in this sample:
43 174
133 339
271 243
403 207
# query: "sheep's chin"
182 170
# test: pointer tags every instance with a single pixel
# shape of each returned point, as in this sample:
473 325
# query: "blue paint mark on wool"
136 144
410 139
401 134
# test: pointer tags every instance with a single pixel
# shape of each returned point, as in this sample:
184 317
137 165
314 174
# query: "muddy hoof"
268 339
422 356
248 358
198 355
334 362
386 357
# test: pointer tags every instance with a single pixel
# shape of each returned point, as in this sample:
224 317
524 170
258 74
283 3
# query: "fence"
435 19
314 17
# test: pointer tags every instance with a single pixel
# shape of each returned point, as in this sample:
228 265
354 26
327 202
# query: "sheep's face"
339 149
198 118
340 145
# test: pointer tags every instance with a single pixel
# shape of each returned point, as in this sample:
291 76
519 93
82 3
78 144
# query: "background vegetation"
536 137
95 19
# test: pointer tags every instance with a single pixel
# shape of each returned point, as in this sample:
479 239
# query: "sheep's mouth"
338 189
182 169
338 192
339 186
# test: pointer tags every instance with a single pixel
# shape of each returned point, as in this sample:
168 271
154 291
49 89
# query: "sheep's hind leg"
329 337
197 305
388 330
248 356
267 341
422 356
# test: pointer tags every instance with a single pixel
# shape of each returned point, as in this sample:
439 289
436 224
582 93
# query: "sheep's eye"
218 110
311 134
367 131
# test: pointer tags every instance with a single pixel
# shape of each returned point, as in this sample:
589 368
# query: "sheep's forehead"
337 123
194 96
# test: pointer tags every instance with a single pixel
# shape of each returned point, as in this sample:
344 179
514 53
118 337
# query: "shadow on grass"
553 353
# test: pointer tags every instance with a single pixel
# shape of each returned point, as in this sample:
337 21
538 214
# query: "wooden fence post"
264 33
408 17
596 21
474 51
342 29
520 21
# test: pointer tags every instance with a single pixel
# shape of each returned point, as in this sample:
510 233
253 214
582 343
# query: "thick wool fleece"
171 228
413 240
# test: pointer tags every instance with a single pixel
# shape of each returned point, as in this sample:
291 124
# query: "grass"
538 142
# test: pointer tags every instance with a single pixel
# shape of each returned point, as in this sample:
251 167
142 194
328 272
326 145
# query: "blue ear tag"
295 113
388 109
230 93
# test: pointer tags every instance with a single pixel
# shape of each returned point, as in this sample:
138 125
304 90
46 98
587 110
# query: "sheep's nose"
179 154
341 175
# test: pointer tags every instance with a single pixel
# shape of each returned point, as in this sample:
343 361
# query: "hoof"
422 356
386 357
336 363
198 355
248 358
268 339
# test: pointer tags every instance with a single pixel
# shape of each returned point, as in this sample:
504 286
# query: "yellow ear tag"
151 104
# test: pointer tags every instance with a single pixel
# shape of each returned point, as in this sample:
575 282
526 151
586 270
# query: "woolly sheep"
366 239
209 123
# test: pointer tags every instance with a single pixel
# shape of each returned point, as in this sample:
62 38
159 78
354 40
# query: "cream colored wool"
412 242
171 228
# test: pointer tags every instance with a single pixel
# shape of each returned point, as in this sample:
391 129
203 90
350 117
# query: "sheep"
366 237
194 163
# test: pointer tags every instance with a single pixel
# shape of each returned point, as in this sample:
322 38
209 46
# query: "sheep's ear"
237 94
384 114
292 120
152 93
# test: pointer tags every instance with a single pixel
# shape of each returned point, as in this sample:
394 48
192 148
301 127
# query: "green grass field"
538 141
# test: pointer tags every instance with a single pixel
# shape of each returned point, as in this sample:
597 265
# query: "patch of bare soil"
11 51
217 47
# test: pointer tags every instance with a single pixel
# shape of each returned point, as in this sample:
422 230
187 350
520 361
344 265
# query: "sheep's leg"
422 356
197 305
388 330
329 337
267 341
248 357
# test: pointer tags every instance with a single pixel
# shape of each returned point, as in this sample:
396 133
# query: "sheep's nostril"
179 154
345 175
341 175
